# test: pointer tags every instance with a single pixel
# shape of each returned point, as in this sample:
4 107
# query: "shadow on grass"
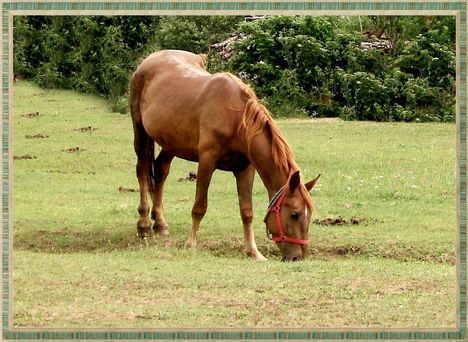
105 240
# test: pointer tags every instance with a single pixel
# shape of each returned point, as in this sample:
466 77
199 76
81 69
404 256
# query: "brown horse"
217 121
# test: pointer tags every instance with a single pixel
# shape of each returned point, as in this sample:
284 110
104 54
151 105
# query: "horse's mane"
254 119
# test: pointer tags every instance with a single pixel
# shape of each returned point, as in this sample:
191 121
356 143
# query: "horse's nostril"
295 259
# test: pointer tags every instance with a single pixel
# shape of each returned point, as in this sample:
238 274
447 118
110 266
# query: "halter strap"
275 197
275 206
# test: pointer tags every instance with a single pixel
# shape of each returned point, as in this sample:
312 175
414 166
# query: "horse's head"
288 217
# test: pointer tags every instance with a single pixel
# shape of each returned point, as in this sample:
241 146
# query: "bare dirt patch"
25 157
337 221
62 240
192 176
124 189
85 129
337 251
36 136
67 172
74 150
31 115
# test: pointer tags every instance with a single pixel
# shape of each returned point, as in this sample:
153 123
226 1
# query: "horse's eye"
294 215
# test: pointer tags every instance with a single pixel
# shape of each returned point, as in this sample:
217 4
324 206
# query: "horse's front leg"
206 167
244 181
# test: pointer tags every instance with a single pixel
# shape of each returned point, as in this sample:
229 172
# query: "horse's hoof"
161 229
260 258
143 229
144 234
256 255
190 244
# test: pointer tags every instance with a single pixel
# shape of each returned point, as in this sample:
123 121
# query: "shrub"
98 54
89 54
302 64
321 68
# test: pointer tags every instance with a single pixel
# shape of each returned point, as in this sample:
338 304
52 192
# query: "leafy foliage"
89 54
320 66
98 54
193 33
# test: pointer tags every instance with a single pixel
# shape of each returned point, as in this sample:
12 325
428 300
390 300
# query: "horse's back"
168 73
181 101
169 60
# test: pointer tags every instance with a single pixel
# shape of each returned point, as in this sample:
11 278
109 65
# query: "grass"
163 288
78 263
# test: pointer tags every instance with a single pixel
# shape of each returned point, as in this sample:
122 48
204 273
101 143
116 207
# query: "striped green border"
234 6
214 7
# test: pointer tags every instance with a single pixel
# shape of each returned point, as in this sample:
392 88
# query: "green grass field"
77 261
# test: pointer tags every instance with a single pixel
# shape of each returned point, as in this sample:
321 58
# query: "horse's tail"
143 144
152 161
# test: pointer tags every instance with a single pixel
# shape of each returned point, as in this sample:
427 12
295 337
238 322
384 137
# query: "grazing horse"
217 121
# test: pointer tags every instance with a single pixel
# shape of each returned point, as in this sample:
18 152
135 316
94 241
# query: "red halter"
275 206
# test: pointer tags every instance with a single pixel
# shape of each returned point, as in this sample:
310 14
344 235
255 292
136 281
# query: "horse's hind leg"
244 181
161 167
144 148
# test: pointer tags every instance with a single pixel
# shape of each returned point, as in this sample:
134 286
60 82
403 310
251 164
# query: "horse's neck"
272 177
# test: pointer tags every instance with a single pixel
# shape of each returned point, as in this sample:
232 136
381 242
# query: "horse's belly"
183 151
232 161
174 133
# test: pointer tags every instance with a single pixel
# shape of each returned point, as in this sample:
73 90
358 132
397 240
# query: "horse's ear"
310 185
294 181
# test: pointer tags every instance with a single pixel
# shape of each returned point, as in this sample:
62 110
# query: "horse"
217 121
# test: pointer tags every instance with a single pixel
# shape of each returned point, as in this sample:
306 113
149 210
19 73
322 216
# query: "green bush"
425 57
193 33
99 54
297 64
89 54
318 65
